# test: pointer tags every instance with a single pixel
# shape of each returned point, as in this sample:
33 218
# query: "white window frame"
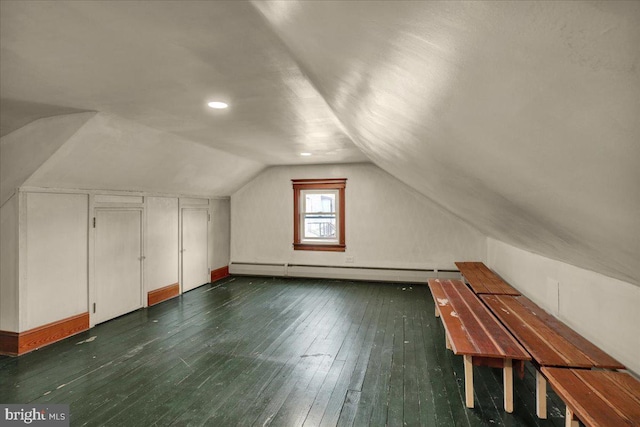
304 213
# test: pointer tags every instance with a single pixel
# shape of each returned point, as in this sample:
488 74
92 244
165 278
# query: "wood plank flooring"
252 351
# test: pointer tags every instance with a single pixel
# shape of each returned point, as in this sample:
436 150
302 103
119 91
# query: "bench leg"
447 343
570 420
507 383
541 395
437 311
468 381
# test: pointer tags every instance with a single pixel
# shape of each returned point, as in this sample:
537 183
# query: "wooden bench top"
549 341
598 398
484 281
471 328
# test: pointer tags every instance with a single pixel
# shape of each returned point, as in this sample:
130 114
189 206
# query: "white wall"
9 265
161 245
45 249
26 149
387 223
521 118
602 309
111 153
219 233
54 284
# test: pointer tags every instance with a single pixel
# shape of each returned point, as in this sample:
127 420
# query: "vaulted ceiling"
522 118
158 63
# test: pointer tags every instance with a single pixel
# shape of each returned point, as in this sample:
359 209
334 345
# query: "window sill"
316 247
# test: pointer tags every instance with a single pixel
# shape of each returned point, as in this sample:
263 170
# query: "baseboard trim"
19 343
159 295
219 273
9 343
382 274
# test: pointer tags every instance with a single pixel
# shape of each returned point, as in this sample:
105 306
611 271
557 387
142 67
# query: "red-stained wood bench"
473 332
596 398
550 342
484 281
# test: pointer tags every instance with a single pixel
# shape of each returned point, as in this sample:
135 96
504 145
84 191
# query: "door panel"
194 248
118 263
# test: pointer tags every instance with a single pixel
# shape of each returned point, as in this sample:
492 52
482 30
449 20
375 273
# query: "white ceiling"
522 118
99 151
158 63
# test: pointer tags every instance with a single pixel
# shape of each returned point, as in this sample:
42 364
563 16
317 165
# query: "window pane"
320 227
318 208
325 202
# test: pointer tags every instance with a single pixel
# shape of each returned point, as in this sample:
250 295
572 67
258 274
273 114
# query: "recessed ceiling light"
218 105
305 154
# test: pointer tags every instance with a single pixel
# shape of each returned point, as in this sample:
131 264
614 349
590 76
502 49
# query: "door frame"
92 255
205 209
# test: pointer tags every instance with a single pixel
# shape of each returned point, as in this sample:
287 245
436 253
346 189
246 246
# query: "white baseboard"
248 269
336 272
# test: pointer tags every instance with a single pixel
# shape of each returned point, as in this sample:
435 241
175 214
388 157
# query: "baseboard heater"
382 274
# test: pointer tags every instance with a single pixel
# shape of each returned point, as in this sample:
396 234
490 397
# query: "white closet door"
118 263
195 270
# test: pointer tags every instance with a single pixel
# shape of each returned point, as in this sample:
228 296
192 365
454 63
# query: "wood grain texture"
472 329
48 334
9 343
484 281
159 295
219 273
312 247
598 357
549 341
598 398
271 351
19 343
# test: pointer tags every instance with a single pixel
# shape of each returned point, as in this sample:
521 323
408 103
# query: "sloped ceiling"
158 63
522 118
24 151
110 153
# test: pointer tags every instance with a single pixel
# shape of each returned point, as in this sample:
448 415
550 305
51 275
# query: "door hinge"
209 217
94 307
94 222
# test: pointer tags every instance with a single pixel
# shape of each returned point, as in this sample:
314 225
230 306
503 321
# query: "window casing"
318 214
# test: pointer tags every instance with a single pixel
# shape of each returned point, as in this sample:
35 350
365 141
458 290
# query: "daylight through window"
319 214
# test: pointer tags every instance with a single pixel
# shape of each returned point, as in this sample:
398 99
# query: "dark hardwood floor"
251 351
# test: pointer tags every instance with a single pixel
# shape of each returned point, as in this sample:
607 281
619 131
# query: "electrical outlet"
350 259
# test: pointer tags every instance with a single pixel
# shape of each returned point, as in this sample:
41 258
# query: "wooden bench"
484 281
597 398
550 342
473 332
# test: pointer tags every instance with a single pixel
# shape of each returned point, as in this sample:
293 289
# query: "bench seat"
550 342
597 398
473 332
484 281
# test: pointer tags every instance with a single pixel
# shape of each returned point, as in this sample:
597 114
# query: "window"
318 214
